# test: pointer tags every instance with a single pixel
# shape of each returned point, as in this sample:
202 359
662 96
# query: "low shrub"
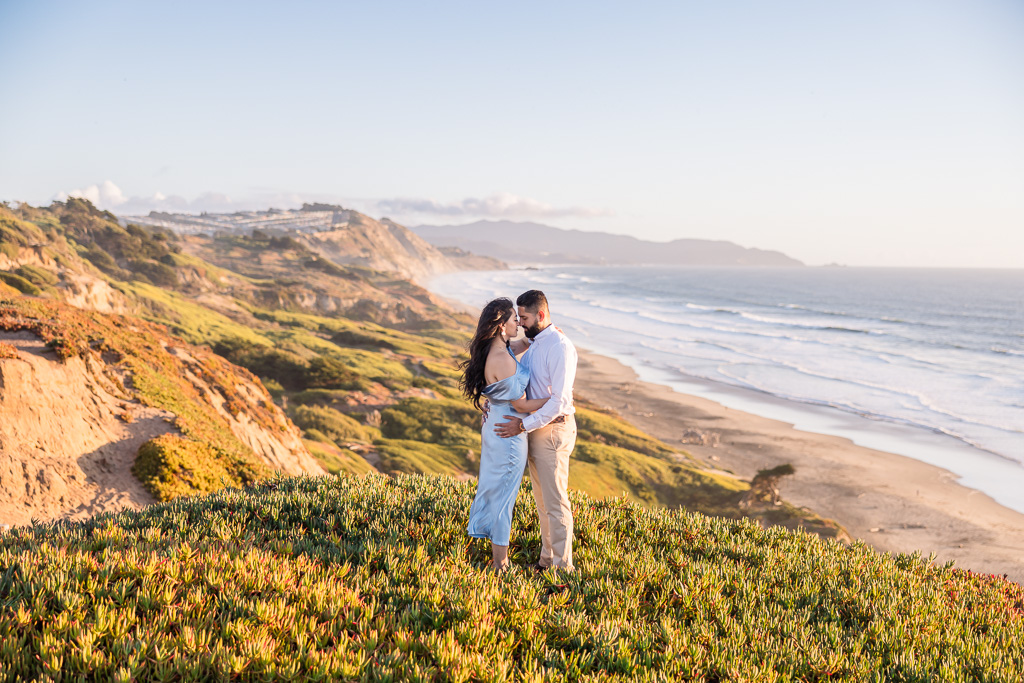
279 364
606 428
273 387
362 340
170 466
38 276
104 262
19 283
603 470
284 364
325 372
175 260
160 274
318 396
445 422
18 232
335 425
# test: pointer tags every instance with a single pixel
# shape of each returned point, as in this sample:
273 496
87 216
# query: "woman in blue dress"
493 372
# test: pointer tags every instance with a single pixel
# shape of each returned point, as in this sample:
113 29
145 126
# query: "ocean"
926 363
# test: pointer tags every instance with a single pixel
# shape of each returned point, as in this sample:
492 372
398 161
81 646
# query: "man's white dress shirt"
552 373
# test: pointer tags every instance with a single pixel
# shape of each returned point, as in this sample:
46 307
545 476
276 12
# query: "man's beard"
532 331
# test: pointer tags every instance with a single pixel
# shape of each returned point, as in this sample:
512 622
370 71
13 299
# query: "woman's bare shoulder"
499 364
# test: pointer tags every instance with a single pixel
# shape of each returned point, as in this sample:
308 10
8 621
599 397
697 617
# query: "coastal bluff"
81 393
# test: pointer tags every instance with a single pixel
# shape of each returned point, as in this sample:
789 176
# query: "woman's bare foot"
499 558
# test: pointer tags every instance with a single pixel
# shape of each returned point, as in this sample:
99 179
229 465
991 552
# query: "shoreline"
892 502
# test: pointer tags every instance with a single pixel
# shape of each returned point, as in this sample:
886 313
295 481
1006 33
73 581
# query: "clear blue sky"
864 132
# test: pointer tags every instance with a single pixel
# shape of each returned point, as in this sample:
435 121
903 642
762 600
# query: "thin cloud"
501 205
107 195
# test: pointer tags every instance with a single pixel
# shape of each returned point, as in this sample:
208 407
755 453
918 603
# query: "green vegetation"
193 322
421 457
338 460
366 335
38 276
607 428
288 365
153 272
443 422
604 470
17 232
334 425
19 283
430 437
373 579
318 396
170 466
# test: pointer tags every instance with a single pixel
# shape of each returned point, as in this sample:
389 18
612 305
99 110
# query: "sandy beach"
892 502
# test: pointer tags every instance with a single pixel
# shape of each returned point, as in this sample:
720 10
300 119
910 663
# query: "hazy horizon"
866 134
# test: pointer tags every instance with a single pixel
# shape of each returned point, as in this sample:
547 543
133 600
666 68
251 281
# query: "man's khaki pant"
548 456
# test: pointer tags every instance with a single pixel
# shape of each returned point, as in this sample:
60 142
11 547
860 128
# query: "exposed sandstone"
65 450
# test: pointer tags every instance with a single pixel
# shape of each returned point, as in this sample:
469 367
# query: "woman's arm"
528 405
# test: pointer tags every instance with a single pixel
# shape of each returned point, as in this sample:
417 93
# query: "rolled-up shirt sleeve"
562 363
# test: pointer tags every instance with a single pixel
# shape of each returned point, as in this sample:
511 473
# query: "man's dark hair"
533 300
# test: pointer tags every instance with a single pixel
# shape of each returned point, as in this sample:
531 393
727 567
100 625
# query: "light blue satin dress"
502 462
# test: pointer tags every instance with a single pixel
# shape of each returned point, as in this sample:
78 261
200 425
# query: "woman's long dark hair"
495 314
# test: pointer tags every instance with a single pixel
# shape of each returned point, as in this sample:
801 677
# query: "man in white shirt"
551 428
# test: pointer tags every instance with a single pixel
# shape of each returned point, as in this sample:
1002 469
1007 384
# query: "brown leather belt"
557 420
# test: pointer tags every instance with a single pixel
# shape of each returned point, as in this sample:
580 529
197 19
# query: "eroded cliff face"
278 445
381 245
66 443
70 428
92 293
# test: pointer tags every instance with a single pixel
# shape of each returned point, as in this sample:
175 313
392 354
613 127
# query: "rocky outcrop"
92 293
381 245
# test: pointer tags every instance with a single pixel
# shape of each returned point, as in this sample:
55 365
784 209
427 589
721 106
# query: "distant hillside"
536 243
341 235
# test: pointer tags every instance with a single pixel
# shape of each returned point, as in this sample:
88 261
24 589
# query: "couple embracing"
526 386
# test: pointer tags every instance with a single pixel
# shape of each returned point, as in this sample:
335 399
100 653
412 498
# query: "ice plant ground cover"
373 578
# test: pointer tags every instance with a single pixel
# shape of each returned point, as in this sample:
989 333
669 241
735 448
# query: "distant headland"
536 243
